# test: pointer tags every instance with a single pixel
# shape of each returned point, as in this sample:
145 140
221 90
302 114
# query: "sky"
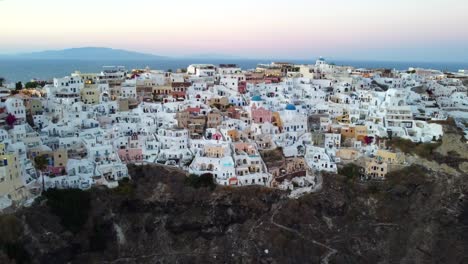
400 30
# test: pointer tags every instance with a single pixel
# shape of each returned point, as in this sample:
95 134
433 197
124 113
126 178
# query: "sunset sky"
423 30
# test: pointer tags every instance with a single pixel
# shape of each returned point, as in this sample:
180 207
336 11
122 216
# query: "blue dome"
290 107
256 98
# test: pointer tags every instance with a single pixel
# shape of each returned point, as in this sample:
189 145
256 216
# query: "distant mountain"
87 53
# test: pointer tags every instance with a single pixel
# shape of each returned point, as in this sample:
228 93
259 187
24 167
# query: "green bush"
71 206
423 150
202 181
373 188
351 171
125 188
413 175
10 229
30 85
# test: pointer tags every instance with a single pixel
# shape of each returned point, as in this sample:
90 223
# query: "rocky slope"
416 216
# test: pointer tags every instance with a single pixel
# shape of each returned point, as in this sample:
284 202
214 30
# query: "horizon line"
218 56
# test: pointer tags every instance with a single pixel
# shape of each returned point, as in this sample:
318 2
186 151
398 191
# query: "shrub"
204 180
30 85
413 175
351 171
373 188
125 188
10 229
71 206
423 150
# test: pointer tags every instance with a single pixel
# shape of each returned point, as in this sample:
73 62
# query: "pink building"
130 155
56 170
261 115
132 152
245 147
242 87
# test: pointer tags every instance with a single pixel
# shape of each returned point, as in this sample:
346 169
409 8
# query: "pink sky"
432 29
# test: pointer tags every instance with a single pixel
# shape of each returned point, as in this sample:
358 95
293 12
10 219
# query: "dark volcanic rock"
414 217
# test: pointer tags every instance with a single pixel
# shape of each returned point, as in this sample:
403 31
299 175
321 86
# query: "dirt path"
325 259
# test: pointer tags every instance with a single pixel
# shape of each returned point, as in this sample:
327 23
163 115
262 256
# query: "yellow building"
162 90
276 120
59 157
360 132
356 132
87 77
234 135
342 119
348 132
90 94
389 157
11 184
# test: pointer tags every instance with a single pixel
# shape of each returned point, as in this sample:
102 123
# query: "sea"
24 70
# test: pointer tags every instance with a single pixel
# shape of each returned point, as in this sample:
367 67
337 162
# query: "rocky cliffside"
416 216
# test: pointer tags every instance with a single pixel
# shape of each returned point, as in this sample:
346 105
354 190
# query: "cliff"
418 215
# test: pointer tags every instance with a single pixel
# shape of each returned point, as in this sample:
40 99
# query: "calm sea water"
25 70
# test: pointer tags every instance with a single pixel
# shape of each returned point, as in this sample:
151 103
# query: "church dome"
290 107
256 98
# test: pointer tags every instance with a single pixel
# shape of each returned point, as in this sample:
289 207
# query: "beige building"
307 72
35 106
195 124
60 157
214 151
183 118
376 170
222 103
123 105
163 90
289 168
347 153
90 94
214 120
